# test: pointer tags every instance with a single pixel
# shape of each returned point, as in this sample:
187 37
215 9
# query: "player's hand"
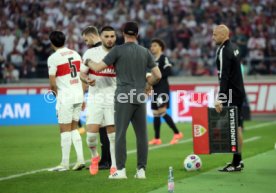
148 89
218 106
91 82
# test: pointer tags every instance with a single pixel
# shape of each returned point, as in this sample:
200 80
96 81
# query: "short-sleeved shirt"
65 65
103 91
165 68
131 62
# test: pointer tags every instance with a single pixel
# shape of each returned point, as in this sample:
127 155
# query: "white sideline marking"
150 148
251 139
260 125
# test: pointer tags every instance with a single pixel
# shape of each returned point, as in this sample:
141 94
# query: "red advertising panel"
188 99
200 130
24 89
261 95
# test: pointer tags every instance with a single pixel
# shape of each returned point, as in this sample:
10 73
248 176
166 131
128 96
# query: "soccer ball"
192 162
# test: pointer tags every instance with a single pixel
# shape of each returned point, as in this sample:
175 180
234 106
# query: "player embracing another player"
100 103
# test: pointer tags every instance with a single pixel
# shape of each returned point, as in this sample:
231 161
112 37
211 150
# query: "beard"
108 46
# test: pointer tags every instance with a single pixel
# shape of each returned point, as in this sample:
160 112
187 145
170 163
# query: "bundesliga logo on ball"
192 162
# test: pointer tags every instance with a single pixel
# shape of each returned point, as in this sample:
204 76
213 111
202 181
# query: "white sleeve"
84 68
52 68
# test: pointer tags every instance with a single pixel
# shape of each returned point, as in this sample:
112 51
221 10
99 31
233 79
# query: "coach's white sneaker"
60 168
140 174
119 174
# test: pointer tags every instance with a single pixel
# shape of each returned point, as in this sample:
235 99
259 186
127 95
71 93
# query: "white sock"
76 138
111 137
65 147
92 142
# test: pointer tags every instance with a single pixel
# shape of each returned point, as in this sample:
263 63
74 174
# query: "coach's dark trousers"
136 114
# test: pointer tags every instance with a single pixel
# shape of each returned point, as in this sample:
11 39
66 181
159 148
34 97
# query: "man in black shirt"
160 98
230 86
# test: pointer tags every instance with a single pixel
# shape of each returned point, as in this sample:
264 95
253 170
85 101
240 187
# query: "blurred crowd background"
185 26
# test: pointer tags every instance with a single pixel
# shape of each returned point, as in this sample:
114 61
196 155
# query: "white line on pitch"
260 125
251 139
151 148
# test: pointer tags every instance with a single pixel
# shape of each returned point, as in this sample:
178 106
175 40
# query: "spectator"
15 56
273 68
241 40
184 35
11 74
2 63
7 39
28 69
164 32
173 21
24 42
256 45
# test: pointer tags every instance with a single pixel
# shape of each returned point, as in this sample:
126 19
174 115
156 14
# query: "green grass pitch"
26 151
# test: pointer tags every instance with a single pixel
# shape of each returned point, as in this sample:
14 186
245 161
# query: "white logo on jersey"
236 52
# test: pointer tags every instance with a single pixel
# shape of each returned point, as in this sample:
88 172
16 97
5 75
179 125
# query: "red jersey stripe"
64 69
101 74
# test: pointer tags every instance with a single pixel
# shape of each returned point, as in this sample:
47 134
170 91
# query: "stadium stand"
185 25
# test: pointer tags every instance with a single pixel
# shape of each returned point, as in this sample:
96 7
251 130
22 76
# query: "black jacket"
229 71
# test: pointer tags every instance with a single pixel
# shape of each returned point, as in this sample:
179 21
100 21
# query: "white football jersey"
65 65
104 90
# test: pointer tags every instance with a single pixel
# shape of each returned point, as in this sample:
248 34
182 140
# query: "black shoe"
104 166
231 168
241 165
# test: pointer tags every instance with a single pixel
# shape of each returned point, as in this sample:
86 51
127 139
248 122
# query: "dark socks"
156 125
236 159
105 157
170 122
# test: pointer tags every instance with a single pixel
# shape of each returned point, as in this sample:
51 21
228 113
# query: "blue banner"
37 110
26 110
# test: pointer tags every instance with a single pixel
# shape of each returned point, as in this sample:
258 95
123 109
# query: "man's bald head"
220 34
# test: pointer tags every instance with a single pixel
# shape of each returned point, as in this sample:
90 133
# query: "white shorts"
100 115
67 113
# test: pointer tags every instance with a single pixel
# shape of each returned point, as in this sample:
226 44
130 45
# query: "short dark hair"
57 38
160 42
90 30
107 28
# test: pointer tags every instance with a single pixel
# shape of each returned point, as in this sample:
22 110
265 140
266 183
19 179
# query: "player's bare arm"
148 88
83 77
96 66
155 76
53 84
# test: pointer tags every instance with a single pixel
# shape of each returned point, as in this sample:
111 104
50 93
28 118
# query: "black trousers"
105 158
